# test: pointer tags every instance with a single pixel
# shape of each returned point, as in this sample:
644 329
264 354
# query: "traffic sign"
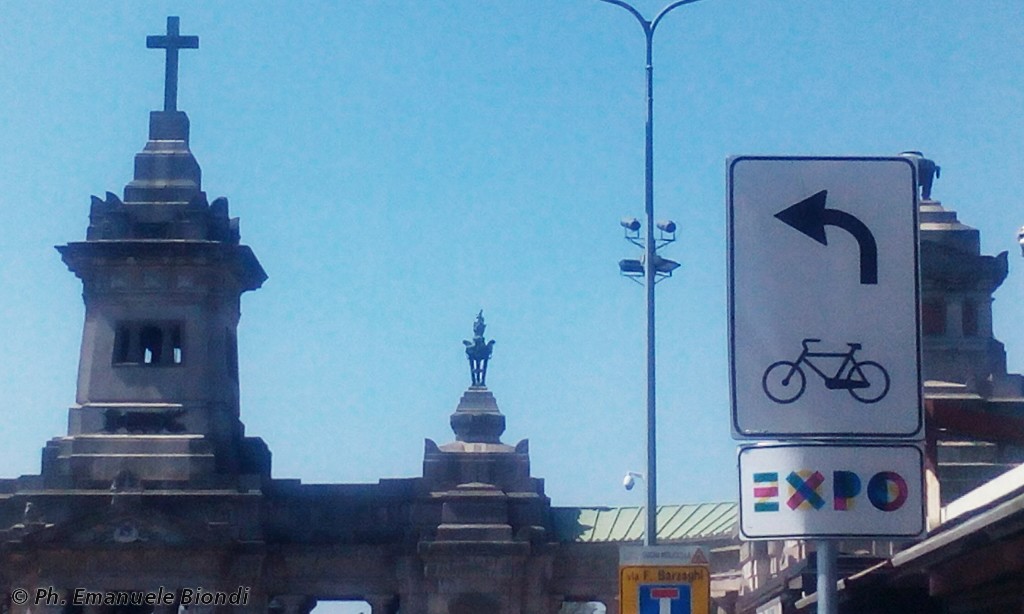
670 599
664 589
809 491
823 287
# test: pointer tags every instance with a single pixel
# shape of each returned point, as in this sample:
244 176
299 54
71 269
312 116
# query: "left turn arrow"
810 217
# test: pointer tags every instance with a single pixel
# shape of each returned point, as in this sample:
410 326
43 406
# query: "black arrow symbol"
810 217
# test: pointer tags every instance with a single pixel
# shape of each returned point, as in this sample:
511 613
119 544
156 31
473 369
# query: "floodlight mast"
650 269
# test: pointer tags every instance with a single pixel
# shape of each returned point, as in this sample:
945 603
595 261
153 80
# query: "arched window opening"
342 606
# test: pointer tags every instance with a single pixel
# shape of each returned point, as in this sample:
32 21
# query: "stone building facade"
157 488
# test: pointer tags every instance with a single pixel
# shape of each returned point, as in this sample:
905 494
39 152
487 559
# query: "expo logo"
808 490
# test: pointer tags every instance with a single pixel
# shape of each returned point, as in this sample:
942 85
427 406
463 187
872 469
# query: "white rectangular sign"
675 554
823 274
808 491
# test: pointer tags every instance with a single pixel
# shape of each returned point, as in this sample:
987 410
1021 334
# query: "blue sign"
665 599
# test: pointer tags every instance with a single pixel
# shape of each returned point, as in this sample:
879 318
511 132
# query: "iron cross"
172 42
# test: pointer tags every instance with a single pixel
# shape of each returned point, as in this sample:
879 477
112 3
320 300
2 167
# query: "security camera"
1020 239
629 481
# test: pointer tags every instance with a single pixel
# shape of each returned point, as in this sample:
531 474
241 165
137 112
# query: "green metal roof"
687 522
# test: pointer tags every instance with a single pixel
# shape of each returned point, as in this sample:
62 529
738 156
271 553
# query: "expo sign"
790 490
807 490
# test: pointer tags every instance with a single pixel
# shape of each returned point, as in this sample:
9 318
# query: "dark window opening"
933 317
152 341
122 343
148 343
176 344
970 319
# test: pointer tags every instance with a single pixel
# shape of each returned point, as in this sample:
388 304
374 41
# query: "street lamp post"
650 259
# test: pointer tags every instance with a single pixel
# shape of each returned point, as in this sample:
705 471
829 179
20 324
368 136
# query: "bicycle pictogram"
867 381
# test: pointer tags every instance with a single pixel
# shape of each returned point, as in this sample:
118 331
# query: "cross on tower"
172 41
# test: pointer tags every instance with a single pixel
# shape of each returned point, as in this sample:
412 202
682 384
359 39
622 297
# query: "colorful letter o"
887 491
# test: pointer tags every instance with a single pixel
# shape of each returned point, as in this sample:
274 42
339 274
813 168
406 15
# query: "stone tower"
975 407
162 272
488 518
957 283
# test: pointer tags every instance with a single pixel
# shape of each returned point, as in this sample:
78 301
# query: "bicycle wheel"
783 382
876 377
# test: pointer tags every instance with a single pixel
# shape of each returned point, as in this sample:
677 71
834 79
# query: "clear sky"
398 166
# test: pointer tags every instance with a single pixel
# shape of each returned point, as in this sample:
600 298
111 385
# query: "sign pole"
798 301
828 599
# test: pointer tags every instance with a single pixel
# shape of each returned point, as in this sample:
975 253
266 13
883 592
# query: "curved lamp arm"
664 11
649 26
643 22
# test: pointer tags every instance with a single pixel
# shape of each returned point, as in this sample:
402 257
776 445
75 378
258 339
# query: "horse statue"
479 352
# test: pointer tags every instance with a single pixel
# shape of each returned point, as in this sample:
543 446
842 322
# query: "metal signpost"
638 595
650 269
825 350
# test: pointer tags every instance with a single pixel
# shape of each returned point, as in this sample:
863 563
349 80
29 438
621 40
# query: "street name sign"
674 554
831 491
823 298
665 589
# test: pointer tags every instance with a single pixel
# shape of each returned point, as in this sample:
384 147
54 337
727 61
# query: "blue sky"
398 166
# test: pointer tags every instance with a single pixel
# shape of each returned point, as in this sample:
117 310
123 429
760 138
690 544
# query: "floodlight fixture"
631 266
664 266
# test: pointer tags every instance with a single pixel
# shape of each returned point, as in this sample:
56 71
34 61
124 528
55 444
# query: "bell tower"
163 271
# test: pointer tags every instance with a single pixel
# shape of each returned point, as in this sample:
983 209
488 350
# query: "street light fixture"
634 268
652 274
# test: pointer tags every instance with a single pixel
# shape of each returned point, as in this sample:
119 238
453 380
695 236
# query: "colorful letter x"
804 490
